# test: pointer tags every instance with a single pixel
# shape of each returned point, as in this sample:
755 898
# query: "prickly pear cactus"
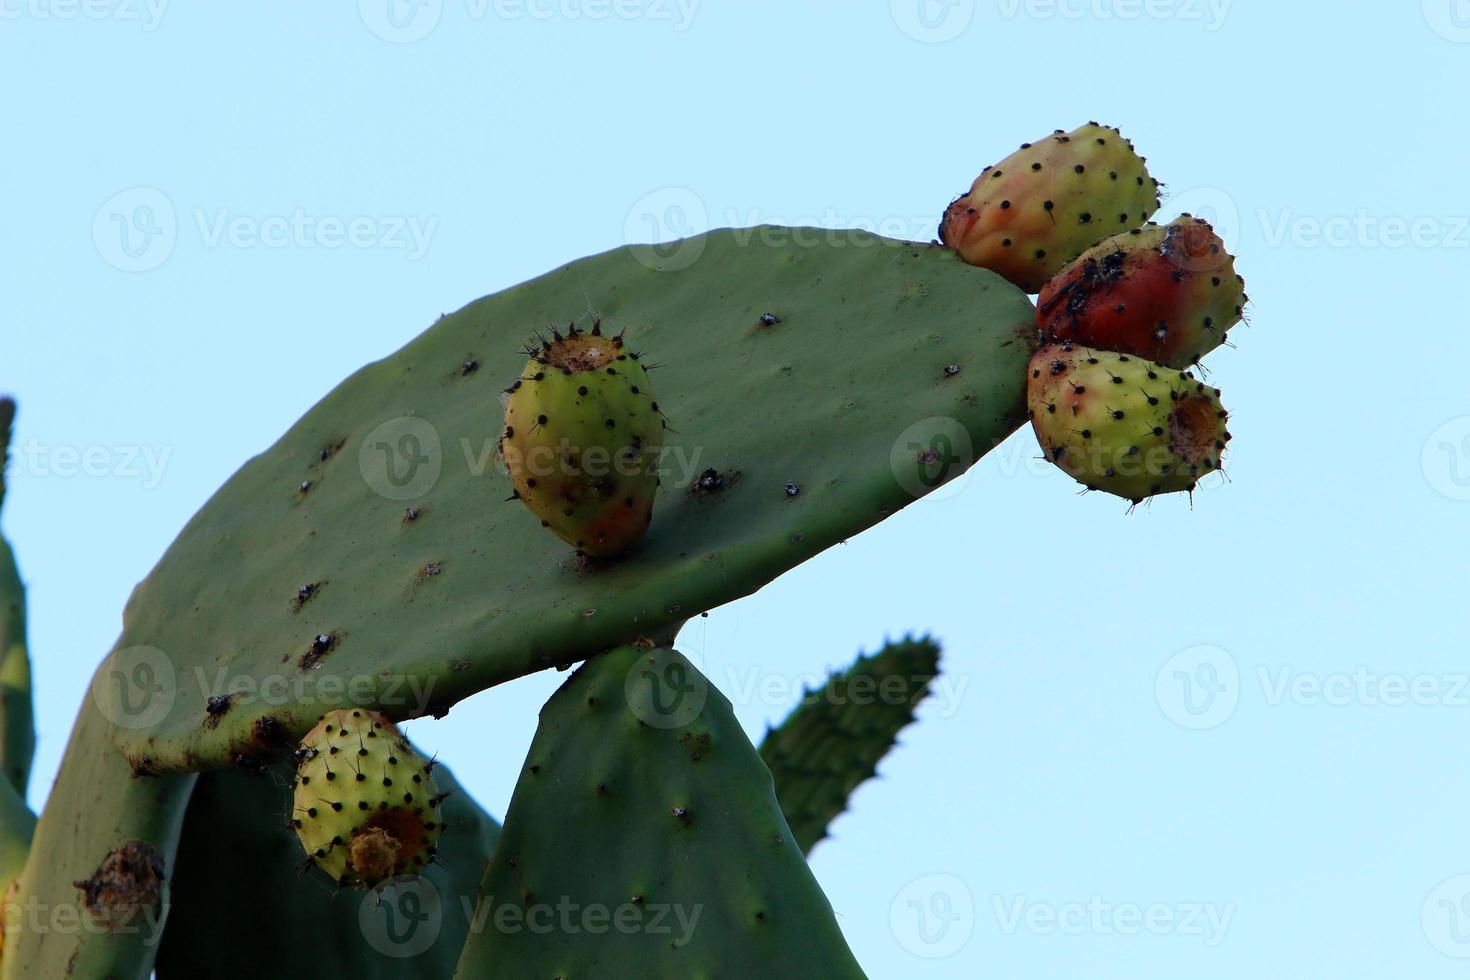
375 546
582 439
366 804
839 733
17 725
1041 207
406 930
1168 293
1123 424
679 863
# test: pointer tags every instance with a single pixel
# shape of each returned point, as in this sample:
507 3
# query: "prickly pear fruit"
1168 293
1122 424
1041 207
582 439
366 808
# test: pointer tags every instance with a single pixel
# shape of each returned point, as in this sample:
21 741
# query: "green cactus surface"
238 862
17 723
644 840
17 826
815 382
100 859
836 737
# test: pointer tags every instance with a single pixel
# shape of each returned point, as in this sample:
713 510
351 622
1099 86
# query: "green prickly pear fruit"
366 808
1041 207
1168 293
582 439
1122 424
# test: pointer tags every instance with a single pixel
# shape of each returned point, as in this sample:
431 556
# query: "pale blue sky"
334 178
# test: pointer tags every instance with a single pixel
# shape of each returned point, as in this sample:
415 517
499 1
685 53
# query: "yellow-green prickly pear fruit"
1122 424
365 807
1041 207
582 440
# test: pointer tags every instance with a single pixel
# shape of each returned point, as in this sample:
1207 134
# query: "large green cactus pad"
893 365
675 862
238 862
839 733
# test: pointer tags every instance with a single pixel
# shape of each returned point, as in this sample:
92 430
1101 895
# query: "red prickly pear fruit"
582 439
1124 425
1041 207
365 806
1168 293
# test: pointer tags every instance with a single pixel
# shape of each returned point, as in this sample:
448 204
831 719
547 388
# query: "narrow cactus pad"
239 863
839 733
17 724
644 840
815 383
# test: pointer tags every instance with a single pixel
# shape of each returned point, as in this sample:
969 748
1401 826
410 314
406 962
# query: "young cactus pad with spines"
1123 424
1168 293
1041 207
366 807
582 439
839 733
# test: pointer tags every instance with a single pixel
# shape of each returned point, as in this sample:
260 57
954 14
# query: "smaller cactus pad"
839 733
